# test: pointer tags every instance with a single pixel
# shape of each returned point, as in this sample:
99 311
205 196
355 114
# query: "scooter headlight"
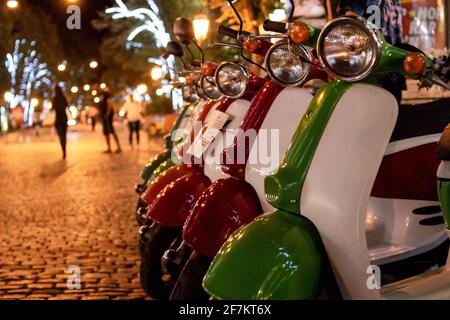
349 48
232 79
288 65
190 95
209 88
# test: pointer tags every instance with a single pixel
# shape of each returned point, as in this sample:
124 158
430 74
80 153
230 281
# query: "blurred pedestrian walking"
60 106
107 114
92 115
133 110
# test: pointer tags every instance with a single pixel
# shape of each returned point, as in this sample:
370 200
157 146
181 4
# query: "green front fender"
279 256
161 168
154 163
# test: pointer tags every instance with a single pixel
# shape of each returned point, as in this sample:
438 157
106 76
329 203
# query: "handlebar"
275 26
229 32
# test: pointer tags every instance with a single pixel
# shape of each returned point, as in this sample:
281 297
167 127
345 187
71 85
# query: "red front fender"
173 204
227 205
162 180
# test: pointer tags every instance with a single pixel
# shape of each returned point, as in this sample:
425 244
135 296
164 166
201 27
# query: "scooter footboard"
223 208
278 256
173 204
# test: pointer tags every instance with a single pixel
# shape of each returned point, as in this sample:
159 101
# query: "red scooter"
176 190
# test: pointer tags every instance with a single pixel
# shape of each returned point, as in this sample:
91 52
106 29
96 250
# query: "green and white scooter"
316 245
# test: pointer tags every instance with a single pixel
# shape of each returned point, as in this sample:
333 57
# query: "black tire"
189 283
140 204
151 274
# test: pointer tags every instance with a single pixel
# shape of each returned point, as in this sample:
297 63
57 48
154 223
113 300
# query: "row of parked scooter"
350 211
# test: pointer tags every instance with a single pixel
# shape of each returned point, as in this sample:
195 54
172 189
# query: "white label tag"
209 132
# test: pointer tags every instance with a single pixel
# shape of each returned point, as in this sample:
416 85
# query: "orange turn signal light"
251 45
208 69
415 63
298 33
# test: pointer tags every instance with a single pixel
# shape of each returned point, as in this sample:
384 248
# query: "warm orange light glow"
208 69
298 33
12 4
189 80
251 45
415 63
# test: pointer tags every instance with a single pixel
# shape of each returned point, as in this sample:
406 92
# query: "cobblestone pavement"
55 214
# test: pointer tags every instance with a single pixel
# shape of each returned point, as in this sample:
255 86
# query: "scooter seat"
422 119
444 145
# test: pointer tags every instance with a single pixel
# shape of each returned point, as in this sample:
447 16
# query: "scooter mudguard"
162 180
172 205
278 256
154 163
227 205
161 168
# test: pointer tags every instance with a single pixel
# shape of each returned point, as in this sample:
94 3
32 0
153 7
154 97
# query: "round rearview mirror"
184 30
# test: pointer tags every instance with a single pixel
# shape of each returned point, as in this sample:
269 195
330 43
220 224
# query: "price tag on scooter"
209 132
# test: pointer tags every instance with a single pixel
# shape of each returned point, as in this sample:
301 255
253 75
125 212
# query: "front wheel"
189 283
154 281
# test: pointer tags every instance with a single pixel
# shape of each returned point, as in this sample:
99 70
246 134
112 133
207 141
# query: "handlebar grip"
275 26
229 32
196 63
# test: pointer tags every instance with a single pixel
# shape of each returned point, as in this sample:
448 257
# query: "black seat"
444 145
422 119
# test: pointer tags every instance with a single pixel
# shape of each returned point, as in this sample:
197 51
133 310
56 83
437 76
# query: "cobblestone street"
56 214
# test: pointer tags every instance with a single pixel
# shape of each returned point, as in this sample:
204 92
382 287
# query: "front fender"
278 256
223 208
154 163
173 204
162 180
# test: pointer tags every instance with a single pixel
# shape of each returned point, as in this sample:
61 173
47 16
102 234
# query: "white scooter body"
337 189
212 168
283 117
270 146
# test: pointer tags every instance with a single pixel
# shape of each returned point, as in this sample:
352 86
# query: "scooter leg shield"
278 256
154 163
162 180
223 208
173 204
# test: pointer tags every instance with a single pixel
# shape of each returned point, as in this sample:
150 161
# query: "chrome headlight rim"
202 80
244 72
200 92
364 25
302 50
194 94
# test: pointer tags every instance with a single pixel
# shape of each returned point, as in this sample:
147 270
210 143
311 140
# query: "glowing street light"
8 96
34 102
142 89
97 100
103 86
86 87
93 64
62 67
94 92
74 89
201 27
12 4
157 73
278 15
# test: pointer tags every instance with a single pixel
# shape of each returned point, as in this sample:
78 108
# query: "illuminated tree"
28 75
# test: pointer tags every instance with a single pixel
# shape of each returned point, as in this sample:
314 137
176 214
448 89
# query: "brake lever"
430 78
222 44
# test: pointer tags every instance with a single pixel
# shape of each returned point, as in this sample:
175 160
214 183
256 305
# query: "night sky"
83 43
